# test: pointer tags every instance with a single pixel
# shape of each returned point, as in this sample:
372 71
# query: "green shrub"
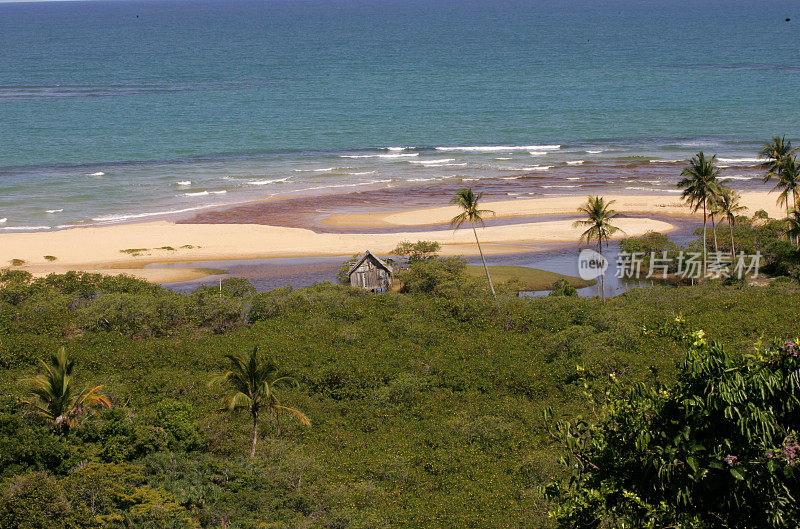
561 287
29 445
177 418
36 501
718 448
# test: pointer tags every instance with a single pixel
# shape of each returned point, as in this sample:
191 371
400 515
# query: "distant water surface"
124 110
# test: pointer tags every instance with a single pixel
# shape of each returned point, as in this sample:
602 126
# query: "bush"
561 287
719 448
177 418
29 445
35 501
445 277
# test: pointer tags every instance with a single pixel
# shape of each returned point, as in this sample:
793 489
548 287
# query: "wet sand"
338 225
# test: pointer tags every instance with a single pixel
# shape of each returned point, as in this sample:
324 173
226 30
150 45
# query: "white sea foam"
120 217
323 170
345 185
434 161
184 183
220 192
399 155
538 153
504 158
265 182
98 173
594 152
398 148
636 188
575 162
362 173
501 148
537 168
422 179
725 177
27 228
196 194
740 160
4 219
666 161
559 187
54 210
573 178
511 177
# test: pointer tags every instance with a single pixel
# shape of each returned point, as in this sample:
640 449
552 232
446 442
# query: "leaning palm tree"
251 385
713 213
598 227
728 206
773 154
468 202
788 182
55 397
700 185
793 227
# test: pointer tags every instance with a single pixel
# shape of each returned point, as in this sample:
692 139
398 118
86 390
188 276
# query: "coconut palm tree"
251 385
713 212
700 185
598 227
728 206
788 182
468 202
774 153
55 397
793 227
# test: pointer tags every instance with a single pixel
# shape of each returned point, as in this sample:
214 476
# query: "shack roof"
364 257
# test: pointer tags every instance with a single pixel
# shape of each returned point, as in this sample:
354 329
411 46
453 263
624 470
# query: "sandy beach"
127 248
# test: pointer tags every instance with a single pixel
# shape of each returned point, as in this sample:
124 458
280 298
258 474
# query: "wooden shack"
371 274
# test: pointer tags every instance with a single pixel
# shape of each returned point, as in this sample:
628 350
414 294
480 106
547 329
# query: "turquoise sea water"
115 110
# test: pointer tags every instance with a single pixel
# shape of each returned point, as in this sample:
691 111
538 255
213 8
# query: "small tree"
251 385
468 202
55 397
598 226
700 185
415 251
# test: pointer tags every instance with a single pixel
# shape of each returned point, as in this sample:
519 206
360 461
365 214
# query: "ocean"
132 110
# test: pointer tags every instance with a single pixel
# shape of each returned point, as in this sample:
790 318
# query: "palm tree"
773 154
598 216
793 227
700 185
728 206
468 202
713 211
54 395
251 385
788 182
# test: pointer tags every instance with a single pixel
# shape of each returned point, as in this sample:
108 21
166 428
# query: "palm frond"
304 420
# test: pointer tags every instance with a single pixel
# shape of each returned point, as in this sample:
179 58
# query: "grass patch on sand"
531 278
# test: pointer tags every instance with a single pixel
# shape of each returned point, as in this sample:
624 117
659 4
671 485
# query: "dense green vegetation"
426 407
718 448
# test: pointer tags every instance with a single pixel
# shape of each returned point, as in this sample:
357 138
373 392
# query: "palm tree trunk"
603 275
733 243
486 268
704 239
714 231
255 434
